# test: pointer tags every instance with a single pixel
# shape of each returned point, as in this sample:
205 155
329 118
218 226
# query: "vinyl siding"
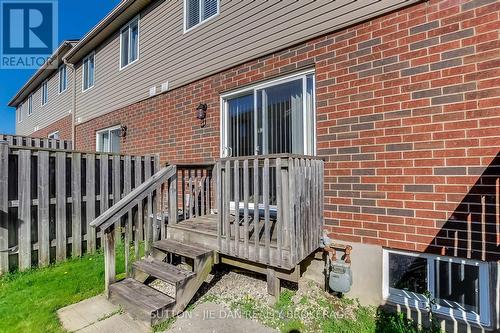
57 107
244 30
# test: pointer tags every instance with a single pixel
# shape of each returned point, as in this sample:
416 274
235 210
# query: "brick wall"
408 120
63 125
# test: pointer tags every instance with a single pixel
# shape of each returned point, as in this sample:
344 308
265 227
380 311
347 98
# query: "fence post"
24 209
43 209
4 227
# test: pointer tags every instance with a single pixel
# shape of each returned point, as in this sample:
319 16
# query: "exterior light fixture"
123 131
201 114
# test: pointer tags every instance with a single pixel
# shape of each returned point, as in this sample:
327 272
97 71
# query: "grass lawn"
29 300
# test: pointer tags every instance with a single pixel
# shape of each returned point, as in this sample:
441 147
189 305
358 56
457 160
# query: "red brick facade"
63 126
408 120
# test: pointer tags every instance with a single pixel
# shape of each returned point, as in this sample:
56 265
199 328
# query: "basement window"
459 287
108 140
198 11
129 43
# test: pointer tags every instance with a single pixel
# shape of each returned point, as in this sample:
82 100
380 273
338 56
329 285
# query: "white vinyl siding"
88 73
63 79
129 43
198 11
243 30
459 287
45 93
30 105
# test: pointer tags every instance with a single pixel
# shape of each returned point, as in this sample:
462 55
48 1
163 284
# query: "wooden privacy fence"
270 208
49 197
24 141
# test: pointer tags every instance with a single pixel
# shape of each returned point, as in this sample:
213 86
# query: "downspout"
73 108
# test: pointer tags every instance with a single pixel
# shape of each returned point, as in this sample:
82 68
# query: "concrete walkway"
98 315
213 318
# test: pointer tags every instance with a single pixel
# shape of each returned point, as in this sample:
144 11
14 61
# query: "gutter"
73 103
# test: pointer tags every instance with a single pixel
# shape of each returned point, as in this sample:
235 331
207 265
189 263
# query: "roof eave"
42 73
122 13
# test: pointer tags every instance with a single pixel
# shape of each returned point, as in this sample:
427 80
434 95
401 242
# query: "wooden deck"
203 230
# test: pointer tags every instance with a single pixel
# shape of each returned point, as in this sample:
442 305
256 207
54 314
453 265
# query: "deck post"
109 257
273 283
172 200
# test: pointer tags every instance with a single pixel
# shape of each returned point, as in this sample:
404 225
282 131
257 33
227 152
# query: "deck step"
145 303
181 249
163 271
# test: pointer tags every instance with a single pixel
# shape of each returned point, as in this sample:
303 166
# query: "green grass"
29 300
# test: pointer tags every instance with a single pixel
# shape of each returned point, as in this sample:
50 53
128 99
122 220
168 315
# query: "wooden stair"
151 306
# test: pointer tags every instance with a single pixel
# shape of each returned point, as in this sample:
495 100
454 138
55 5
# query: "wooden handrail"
110 216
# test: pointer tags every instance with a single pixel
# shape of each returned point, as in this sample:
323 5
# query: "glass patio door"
275 118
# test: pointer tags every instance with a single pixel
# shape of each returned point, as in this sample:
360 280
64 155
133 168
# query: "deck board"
205 227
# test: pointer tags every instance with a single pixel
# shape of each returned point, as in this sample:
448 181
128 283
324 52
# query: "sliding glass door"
274 118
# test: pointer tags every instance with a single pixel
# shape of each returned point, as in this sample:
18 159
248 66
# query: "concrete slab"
214 318
78 316
121 323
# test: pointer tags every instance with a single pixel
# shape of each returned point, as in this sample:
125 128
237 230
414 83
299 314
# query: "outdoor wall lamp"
123 131
201 114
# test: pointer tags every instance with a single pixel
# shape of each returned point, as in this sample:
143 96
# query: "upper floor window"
458 287
45 93
108 140
88 71
19 113
63 79
129 43
198 11
30 105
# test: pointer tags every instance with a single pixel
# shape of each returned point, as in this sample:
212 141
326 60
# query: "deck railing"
25 141
270 208
130 211
195 193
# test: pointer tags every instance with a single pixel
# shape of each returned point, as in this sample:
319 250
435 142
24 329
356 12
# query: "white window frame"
30 105
98 135
415 300
61 68
300 75
44 91
19 113
50 136
186 29
138 19
91 54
